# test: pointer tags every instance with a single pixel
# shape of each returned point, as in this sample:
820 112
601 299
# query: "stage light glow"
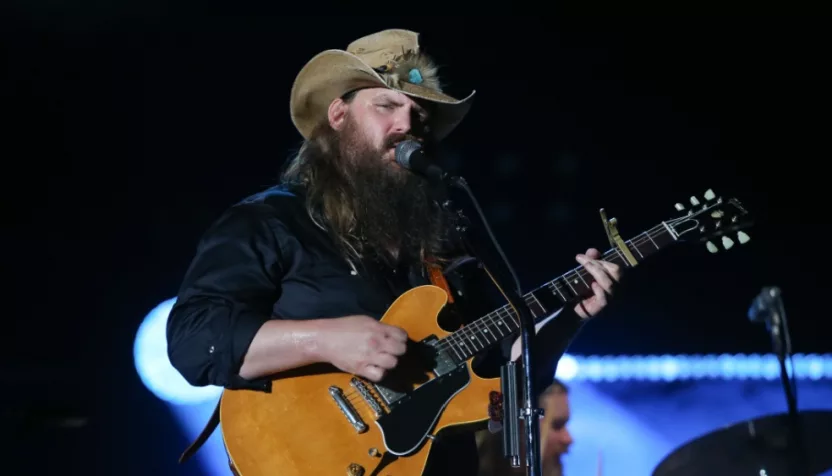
154 368
596 368
567 368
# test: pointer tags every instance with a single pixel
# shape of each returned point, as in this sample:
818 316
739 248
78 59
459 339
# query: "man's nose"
402 121
566 437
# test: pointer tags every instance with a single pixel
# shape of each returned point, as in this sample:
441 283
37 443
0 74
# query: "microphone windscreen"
404 152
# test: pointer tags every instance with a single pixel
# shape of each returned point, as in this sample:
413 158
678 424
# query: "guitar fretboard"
543 301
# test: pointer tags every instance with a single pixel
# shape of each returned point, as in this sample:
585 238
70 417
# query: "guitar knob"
711 247
709 195
694 201
679 207
743 238
727 242
355 470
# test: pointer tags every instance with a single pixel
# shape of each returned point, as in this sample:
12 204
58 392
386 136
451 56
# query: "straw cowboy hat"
387 59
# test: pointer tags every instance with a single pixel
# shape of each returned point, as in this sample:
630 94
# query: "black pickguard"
413 416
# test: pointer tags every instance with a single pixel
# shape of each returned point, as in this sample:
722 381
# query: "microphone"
410 155
764 307
767 308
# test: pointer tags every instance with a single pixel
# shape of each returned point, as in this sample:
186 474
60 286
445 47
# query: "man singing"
302 273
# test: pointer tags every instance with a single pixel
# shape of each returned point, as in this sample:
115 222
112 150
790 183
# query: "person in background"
555 438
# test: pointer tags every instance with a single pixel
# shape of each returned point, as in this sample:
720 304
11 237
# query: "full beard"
377 210
397 216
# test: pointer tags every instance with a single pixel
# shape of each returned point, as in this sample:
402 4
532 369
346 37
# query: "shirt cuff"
246 325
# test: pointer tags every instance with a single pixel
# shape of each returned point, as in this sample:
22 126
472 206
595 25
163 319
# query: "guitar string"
531 298
462 347
459 339
353 397
498 316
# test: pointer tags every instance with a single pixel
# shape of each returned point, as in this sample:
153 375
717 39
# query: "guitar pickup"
352 416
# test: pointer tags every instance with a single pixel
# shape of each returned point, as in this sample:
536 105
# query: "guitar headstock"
714 220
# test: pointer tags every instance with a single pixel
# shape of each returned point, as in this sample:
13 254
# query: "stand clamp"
611 228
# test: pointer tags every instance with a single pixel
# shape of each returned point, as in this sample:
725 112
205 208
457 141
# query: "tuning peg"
743 237
711 247
709 195
694 201
727 242
679 207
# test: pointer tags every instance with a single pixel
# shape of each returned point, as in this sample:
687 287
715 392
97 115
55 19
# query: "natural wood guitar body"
298 429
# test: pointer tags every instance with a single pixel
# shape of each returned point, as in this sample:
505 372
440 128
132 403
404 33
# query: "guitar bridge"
367 396
347 409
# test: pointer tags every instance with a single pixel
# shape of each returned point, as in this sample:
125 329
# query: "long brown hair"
338 203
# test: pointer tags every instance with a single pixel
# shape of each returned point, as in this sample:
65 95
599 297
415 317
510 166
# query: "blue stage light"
595 368
154 368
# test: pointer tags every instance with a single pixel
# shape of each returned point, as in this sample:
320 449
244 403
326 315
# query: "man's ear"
337 113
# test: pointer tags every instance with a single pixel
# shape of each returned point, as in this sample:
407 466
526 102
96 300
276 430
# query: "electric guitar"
318 420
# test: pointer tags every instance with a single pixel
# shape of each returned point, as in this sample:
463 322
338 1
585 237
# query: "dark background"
128 130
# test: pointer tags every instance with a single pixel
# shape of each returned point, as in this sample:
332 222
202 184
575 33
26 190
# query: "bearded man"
303 272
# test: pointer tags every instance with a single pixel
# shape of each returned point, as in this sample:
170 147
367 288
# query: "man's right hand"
362 346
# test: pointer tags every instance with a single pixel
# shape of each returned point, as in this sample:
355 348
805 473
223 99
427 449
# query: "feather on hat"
389 59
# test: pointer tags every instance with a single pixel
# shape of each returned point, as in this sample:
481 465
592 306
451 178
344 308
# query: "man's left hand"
606 275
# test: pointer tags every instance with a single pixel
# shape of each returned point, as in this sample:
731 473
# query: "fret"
499 328
568 283
651 240
463 346
583 286
541 302
550 299
558 293
485 332
475 334
503 322
669 231
535 306
582 279
631 246
619 256
470 339
453 346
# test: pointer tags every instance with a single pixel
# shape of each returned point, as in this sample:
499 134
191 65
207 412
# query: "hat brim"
333 73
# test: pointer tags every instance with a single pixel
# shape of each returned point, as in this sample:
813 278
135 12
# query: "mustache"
394 139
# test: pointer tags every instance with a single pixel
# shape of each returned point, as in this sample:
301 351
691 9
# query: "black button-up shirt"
265 259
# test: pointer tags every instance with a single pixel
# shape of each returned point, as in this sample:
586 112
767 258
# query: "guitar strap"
210 426
437 278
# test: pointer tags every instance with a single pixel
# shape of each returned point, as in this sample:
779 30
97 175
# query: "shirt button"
211 349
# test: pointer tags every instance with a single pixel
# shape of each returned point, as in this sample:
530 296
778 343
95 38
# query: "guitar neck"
570 287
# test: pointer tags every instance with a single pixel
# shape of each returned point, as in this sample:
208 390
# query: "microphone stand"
774 316
530 412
